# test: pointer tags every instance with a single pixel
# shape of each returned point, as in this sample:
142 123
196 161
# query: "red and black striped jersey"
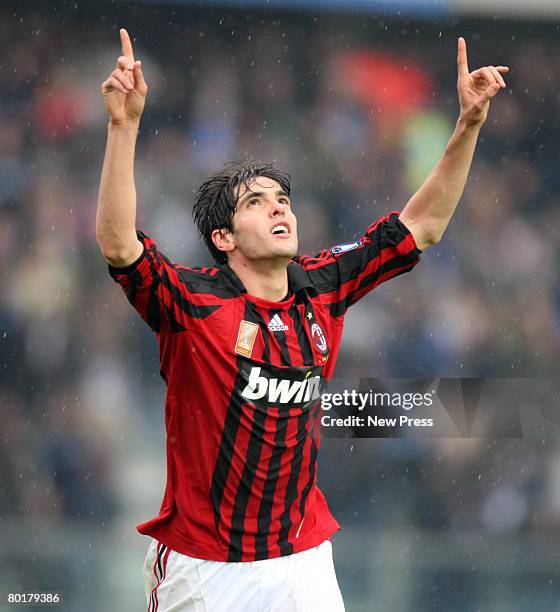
244 377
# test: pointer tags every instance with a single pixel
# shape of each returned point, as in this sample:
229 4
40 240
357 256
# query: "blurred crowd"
357 111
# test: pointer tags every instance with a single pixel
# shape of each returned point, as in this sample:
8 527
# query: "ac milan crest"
319 337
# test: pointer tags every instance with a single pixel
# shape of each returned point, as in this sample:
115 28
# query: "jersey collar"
298 279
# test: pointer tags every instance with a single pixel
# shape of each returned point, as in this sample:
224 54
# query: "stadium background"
437 524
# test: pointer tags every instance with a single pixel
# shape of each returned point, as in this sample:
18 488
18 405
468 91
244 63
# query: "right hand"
124 92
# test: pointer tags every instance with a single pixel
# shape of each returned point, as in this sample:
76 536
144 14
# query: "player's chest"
297 335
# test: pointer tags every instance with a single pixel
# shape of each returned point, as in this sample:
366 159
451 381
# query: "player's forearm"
428 212
116 211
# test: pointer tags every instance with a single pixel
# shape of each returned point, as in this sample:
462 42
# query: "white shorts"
302 582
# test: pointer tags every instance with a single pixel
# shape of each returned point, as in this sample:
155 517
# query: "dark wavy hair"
215 200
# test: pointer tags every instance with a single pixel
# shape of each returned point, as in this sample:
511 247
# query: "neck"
267 280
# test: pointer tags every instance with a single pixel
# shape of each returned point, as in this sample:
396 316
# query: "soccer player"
246 348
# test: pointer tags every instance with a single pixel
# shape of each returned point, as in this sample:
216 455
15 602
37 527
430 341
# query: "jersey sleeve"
347 272
153 287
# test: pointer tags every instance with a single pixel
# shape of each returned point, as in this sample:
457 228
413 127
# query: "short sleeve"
153 287
347 272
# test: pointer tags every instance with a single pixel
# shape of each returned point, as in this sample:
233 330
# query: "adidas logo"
276 324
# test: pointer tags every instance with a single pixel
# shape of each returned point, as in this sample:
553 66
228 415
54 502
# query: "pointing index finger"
126 44
462 64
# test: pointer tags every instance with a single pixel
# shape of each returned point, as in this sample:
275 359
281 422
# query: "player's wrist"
466 124
124 124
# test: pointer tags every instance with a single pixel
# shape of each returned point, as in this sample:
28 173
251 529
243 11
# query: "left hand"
477 88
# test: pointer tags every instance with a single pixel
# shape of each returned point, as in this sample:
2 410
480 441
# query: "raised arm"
124 94
430 209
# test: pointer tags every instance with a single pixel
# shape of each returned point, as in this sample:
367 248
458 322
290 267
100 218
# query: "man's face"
264 225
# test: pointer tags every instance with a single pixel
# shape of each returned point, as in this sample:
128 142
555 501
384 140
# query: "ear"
223 240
